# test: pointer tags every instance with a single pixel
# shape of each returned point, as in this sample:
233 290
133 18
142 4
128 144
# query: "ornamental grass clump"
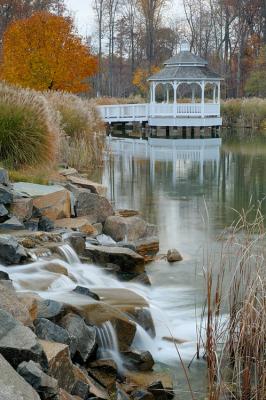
83 143
29 129
244 113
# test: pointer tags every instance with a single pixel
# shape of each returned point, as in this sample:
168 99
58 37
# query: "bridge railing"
142 112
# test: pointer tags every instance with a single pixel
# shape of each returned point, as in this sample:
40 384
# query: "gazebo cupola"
186 79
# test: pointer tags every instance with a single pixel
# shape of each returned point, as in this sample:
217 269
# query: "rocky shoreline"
82 347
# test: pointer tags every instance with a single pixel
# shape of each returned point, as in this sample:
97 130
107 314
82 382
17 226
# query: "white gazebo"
185 93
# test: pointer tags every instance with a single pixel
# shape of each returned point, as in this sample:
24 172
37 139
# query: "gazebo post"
193 94
202 98
175 105
167 93
214 93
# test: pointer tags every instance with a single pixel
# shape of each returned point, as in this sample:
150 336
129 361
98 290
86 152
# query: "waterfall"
108 343
69 254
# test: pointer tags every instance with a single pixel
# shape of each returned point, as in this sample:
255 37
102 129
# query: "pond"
192 192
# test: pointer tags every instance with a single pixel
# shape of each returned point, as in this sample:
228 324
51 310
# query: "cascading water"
165 304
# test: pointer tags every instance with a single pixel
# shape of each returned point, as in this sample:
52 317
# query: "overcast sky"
84 15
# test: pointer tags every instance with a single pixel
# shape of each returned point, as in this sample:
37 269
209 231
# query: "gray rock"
49 309
4 179
77 241
3 213
18 343
6 195
141 394
99 227
126 259
45 224
138 361
86 292
91 205
173 255
4 276
47 330
11 252
81 390
12 224
121 228
120 393
158 391
12 385
85 335
46 386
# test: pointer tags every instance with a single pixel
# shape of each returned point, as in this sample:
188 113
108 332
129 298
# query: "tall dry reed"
246 112
236 313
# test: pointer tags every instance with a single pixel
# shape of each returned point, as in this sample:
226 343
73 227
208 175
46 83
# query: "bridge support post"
213 132
123 128
192 132
167 131
184 132
202 132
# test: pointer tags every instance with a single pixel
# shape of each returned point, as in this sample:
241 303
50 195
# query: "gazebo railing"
142 112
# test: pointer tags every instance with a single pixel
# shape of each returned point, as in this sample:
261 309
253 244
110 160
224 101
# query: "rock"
56 267
84 335
120 393
141 394
81 389
142 278
12 385
147 248
46 386
4 179
158 391
30 301
105 240
104 371
147 378
99 228
3 277
63 395
46 224
143 317
32 224
47 330
50 309
96 388
51 201
68 171
86 292
81 224
138 361
3 213
77 242
173 255
126 259
18 343
12 224
85 183
10 302
22 208
6 195
127 213
96 208
60 366
120 228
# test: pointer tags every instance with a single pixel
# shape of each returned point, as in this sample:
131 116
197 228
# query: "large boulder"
81 224
126 259
44 384
121 228
47 330
60 366
84 335
96 389
91 205
87 184
11 252
49 309
12 385
12 224
10 302
137 360
52 201
6 195
18 343
3 213
22 208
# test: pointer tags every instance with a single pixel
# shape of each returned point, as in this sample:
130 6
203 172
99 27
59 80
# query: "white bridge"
160 114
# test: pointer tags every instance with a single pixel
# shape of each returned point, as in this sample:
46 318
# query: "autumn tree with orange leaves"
140 79
44 53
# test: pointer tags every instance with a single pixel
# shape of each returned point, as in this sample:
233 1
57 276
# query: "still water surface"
192 192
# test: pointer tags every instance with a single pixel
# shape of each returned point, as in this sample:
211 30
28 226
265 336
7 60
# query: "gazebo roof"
185 66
